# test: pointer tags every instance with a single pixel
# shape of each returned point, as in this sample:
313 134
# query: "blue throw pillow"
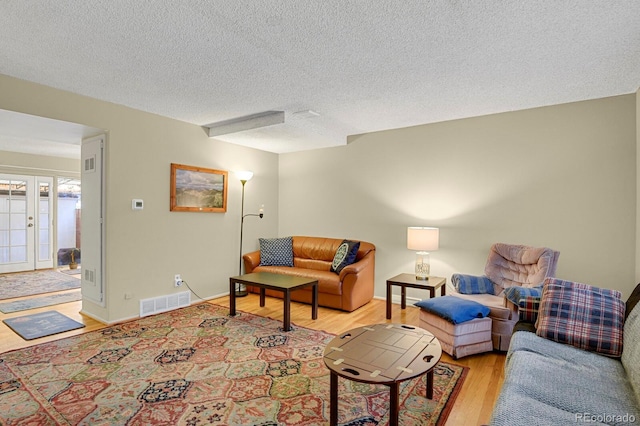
345 255
454 309
471 284
276 251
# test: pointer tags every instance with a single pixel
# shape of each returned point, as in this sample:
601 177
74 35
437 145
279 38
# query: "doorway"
49 138
26 222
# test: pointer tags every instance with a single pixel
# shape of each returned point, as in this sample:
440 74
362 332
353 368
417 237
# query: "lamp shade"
244 175
423 238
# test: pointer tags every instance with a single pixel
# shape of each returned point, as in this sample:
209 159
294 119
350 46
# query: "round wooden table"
385 354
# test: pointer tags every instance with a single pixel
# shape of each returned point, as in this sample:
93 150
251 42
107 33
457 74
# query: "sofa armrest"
503 313
251 261
358 282
357 267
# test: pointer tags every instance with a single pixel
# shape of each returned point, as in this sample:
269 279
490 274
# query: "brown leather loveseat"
312 257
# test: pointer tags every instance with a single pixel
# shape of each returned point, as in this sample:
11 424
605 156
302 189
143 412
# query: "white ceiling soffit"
362 65
255 121
29 134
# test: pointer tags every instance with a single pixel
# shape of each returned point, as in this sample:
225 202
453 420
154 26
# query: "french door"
26 223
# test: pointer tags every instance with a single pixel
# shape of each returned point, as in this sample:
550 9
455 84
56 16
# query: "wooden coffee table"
410 280
284 283
385 354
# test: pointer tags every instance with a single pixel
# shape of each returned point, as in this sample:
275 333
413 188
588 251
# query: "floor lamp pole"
244 176
241 289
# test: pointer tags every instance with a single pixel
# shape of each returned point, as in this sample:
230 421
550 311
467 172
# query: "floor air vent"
155 305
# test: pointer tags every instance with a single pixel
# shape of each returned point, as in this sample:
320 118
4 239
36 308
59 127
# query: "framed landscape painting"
196 189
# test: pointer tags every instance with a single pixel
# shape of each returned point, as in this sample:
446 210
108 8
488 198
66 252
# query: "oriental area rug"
35 282
198 366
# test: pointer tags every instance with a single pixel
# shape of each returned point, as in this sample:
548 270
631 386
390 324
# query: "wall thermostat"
137 204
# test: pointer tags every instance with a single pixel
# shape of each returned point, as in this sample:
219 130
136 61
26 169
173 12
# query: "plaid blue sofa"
558 383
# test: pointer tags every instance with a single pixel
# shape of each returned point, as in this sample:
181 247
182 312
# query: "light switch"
137 204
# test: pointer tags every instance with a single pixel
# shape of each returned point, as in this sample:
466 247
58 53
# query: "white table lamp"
422 240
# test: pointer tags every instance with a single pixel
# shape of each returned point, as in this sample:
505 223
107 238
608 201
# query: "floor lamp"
244 176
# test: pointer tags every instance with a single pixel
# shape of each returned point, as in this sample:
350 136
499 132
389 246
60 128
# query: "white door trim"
93 212
28 229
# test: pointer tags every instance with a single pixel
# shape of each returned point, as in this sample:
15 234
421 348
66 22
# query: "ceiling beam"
249 122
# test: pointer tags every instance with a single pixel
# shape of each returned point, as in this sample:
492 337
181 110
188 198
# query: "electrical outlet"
177 280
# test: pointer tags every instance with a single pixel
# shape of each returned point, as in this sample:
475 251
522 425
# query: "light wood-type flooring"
473 406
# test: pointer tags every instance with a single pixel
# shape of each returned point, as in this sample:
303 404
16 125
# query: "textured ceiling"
362 65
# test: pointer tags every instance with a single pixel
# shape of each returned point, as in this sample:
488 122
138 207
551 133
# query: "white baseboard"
395 299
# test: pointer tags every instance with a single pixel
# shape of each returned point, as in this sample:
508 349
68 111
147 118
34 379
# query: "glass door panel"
16 223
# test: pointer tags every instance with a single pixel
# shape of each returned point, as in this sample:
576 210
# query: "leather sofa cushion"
318 265
315 248
324 249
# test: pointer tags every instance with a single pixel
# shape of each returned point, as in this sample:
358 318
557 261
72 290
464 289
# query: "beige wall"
561 176
146 248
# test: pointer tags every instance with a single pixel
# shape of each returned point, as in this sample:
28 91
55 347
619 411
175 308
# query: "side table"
410 280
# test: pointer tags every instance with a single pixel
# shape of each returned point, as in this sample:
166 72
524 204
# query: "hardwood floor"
475 401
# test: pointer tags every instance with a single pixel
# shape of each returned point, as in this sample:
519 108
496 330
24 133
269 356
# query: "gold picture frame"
197 189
